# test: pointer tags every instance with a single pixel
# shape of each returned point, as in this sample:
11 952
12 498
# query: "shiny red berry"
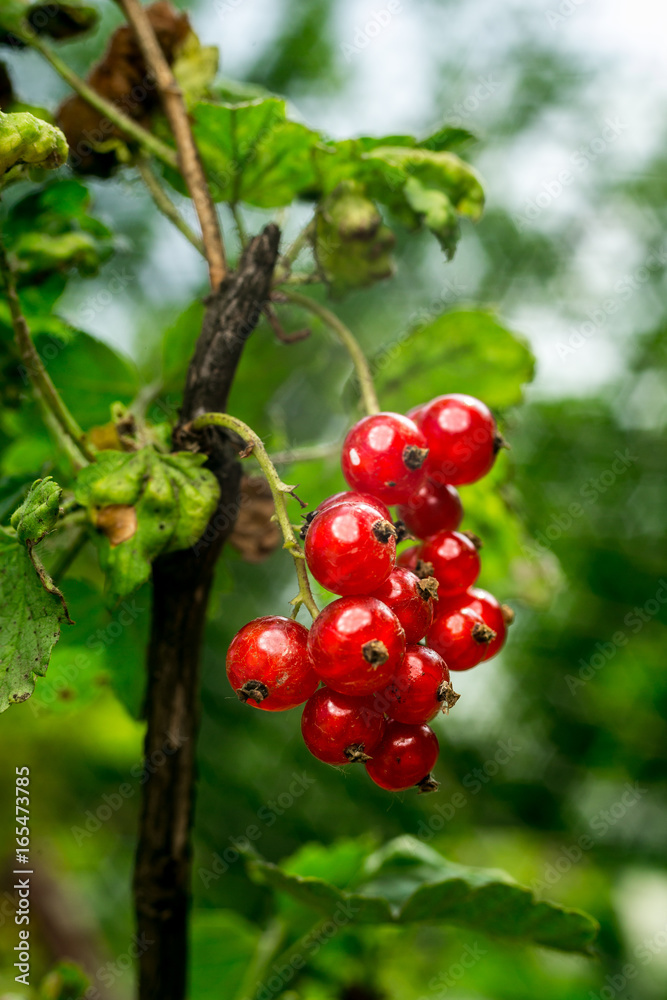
419 689
351 496
461 436
340 729
461 638
455 561
496 616
405 758
268 664
350 548
431 509
383 455
356 644
412 600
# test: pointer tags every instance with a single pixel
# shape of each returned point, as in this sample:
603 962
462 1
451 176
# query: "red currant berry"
412 600
419 689
405 758
496 616
339 729
350 548
268 664
356 644
349 496
461 638
383 454
431 509
462 438
411 559
455 560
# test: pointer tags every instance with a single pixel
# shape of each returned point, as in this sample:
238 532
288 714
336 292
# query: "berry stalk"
279 490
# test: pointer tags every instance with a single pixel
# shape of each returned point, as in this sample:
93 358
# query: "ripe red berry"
350 548
404 758
496 616
419 689
350 496
383 455
408 557
455 561
431 509
356 644
461 638
462 438
412 600
268 664
339 729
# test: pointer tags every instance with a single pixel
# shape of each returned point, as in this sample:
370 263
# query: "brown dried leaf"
118 522
120 76
255 535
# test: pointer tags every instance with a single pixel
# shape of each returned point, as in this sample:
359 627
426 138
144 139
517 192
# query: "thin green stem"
346 337
165 204
279 490
127 125
64 424
238 222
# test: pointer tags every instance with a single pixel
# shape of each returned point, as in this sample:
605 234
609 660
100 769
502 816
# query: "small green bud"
39 511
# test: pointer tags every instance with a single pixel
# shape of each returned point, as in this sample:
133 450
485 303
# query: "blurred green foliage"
553 762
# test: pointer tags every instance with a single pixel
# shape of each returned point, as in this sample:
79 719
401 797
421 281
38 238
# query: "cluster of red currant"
382 685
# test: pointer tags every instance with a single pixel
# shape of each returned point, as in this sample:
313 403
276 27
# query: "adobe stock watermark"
606 651
473 782
460 112
365 33
109 973
580 160
565 9
441 984
267 815
44 696
112 803
624 289
599 826
590 493
645 953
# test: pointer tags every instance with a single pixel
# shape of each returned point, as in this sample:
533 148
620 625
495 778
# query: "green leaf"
30 618
462 351
51 230
252 153
406 881
39 511
29 140
352 247
195 67
144 504
89 375
223 944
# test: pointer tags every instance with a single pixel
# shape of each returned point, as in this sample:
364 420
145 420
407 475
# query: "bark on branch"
181 586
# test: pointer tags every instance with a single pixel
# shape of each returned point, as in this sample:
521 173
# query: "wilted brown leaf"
255 535
120 76
118 522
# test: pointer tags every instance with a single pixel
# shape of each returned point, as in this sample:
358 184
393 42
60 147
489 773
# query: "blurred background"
568 103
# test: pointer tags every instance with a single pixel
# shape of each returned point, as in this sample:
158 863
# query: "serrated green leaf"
29 140
30 618
223 944
39 511
462 351
252 153
145 504
406 882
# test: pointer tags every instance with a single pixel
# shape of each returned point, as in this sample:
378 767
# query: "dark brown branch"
181 586
189 161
